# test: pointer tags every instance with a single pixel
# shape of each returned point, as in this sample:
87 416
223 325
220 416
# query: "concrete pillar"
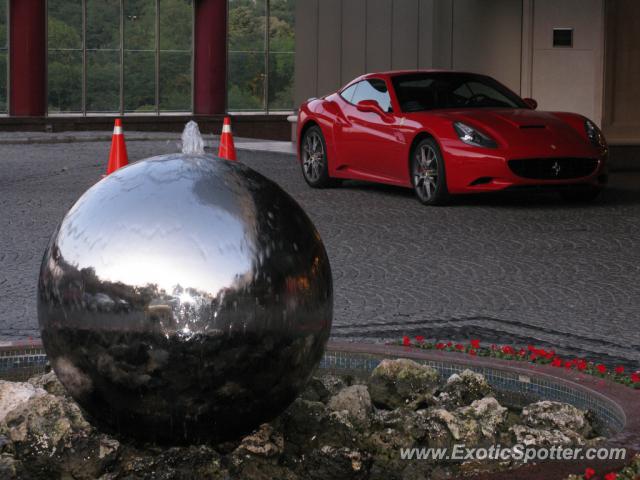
210 65
28 58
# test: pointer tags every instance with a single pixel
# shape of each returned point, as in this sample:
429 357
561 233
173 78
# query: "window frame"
267 67
157 111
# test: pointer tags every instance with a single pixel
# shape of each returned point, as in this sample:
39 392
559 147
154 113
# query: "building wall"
622 98
338 40
568 79
510 40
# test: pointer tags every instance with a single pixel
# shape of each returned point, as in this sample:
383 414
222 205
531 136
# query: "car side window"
347 93
373 89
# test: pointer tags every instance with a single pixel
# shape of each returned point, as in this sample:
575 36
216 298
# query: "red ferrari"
444 133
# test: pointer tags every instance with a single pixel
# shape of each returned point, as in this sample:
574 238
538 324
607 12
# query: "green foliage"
247 23
247 54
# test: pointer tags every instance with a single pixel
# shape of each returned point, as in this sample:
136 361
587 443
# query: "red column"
210 64
28 57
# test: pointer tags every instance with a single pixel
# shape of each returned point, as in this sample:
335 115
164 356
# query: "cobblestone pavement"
502 268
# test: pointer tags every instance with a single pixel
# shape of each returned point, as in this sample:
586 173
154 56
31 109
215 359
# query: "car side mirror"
370 106
373 107
531 103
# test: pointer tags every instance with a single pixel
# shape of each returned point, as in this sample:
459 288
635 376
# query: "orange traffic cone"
118 157
227 149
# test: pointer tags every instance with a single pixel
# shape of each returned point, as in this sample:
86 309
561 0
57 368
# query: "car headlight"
594 134
471 136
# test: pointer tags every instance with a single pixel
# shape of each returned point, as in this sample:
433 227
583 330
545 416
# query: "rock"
316 391
265 442
396 383
473 425
356 401
555 415
155 463
49 382
336 464
333 384
308 426
542 437
14 394
50 436
489 414
462 389
9 467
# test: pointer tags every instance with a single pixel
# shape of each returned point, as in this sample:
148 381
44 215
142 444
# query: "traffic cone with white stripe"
227 149
118 157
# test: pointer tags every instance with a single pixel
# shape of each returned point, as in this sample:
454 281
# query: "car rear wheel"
427 173
315 169
580 195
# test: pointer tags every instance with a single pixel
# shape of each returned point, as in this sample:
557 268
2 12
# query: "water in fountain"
192 142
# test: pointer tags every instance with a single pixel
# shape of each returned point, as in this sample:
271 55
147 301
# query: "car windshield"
429 91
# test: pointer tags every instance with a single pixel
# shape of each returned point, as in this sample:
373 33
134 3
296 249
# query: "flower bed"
529 354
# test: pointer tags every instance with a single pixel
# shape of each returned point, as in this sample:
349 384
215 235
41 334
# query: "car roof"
392 73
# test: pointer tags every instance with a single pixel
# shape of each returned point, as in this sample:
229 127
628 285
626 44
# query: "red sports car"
443 133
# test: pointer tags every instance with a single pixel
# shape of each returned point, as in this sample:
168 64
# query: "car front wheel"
315 169
428 174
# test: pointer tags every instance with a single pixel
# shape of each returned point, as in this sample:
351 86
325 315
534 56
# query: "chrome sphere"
185 299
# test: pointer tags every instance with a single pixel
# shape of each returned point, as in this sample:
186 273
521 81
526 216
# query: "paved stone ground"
502 268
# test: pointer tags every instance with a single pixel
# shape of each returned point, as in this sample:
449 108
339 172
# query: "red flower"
419 339
475 344
440 346
531 348
568 364
533 356
635 377
406 341
522 352
449 344
581 365
459 346
508 350
472 352
494 347
620 370
588 473
611 476
601 368
557 362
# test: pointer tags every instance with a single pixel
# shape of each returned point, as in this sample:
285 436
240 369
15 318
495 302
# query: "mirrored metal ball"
185 299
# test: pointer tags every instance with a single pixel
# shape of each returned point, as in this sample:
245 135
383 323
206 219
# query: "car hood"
516 128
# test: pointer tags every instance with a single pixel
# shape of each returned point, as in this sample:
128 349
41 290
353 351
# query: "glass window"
373 89
65 44
347 93
176 39
428 91
132 56
4 54
261 66
281 54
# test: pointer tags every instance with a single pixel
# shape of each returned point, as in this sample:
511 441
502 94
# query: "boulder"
462 389
475 424
336 464
543 437
14 394
356 401
555 415
401 382
50 436
49 382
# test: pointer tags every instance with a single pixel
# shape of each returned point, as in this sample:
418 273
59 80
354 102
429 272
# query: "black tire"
580 194
313 156
429 184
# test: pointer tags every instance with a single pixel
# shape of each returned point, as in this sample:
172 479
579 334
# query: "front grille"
553 168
